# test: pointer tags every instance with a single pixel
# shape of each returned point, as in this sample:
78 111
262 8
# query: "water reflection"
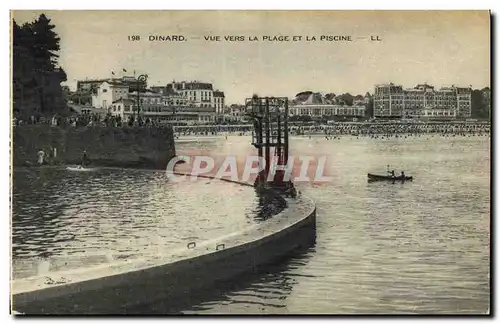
43 228
76 218
267 206
418 247
247 294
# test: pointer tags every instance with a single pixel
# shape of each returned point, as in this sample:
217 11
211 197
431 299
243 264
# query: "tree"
369 108
330 96
36 75
45 43
346 98
480 103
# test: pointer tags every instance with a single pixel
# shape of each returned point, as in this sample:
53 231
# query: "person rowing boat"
389 177
391 173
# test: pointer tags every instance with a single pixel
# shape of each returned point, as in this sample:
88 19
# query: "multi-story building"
152 98
219 101
388 100
89 85
92 84
166 91
199 94
464 102
392 100
161 108
122 108
415 100
107 93
234 113
181 102
317 105
315 110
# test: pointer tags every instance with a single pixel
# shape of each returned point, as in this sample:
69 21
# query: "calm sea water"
417 247
78 219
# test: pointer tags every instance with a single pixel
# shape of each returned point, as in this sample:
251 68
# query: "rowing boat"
376 177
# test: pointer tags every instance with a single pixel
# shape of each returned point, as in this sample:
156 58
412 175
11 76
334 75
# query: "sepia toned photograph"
250 162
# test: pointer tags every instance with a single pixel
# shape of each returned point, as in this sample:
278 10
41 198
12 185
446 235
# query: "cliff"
137 147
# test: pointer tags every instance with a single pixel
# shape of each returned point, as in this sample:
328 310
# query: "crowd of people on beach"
372 130
88 120
367 129
381 130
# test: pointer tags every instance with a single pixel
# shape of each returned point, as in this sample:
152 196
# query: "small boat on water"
79 168
376 177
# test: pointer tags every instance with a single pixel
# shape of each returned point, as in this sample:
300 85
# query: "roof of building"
218 93
304 93
124 78
425 85
193 85
124 100
146 93
167 90
80 108
117 84
383 85
89 81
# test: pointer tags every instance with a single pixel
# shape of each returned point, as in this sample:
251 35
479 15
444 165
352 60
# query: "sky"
441 48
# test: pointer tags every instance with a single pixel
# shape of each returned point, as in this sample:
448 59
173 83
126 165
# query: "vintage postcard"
250 162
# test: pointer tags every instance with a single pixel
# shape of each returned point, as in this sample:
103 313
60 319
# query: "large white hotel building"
199 94
424 100
191 102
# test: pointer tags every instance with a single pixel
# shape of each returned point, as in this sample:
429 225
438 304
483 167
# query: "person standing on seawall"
85 159
41 157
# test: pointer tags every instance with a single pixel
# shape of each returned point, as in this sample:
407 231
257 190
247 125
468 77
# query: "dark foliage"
36 75
481 103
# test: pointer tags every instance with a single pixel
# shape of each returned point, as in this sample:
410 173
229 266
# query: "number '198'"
134 38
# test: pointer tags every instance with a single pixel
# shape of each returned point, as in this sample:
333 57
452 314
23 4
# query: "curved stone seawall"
119 287
137 147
